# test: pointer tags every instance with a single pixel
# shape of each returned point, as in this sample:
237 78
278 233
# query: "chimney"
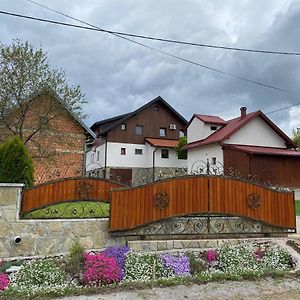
243 111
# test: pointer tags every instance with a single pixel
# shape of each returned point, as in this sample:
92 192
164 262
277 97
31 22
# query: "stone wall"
45 237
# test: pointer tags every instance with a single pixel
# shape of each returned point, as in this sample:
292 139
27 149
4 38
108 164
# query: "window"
92 157
98 155
164 153
213 160
123 151
213 127
156 107
181 133
162 132
139 151
139 130
123 126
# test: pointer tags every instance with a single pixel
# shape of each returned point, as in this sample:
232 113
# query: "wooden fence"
67 190
192 195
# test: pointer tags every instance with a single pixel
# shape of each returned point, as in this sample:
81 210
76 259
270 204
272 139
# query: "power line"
154 49
150 37
283 108
148 47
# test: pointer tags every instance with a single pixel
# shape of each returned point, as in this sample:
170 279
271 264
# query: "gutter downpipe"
153 164
105 158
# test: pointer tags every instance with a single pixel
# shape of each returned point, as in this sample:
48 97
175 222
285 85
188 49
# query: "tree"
25 75
15 163
181 153
296 137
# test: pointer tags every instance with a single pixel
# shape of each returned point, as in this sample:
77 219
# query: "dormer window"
214 128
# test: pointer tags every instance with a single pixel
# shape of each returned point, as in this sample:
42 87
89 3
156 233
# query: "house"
57 137
251 146
138 147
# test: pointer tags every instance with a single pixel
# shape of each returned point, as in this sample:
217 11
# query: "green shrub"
75 260
15 163
197 265
181 153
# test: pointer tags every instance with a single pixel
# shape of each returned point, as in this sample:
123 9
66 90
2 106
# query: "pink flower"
258 254
4 281
101 269
211 255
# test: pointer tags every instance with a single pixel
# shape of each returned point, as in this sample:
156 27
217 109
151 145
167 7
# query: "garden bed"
118 268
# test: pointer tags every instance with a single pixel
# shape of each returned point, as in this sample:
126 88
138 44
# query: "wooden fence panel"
64 190
134 207
231 196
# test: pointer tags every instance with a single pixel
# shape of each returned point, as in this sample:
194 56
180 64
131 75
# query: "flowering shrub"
39 273
211 255
101 269
179 264
4 281
250 257
139 266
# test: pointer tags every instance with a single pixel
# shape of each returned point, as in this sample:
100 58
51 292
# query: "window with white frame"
162 132
123 151
164 153
138 151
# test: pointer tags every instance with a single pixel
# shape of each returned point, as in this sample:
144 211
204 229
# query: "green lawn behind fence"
297 207
71 210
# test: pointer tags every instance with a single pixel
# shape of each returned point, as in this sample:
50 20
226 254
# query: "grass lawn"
71 210
297 207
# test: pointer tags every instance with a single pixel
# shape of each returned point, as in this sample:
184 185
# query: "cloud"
118 76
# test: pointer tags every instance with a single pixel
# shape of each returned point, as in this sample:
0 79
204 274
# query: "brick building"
55 137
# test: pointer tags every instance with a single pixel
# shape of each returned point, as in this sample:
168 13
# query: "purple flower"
119 254
179 264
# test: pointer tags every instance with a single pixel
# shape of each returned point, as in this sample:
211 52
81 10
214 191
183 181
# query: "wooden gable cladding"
152 118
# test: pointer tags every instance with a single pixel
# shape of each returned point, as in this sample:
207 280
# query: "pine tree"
15 162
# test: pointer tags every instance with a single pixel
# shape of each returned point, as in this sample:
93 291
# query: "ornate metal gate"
201 205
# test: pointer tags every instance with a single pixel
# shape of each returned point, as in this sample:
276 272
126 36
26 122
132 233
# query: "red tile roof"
234 125
162 142
211 119
263 150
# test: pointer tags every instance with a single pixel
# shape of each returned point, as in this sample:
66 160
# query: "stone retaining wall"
45 237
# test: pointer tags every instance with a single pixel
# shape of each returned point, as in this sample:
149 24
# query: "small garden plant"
118 265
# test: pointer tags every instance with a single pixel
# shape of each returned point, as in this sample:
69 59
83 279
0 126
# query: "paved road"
266 289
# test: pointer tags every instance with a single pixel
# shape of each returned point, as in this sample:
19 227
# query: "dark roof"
211 119
111 123
263 150
234 125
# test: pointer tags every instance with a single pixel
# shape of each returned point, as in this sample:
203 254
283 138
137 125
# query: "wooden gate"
67 190
208 196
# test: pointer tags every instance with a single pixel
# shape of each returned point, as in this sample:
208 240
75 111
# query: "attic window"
156 108
213 127
123 126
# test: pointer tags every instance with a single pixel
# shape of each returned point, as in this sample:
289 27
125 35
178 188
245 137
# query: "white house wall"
172 161
199 130
195 130
257 133
132 160
199 156
92 161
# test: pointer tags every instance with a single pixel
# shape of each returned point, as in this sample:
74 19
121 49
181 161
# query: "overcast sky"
118 76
